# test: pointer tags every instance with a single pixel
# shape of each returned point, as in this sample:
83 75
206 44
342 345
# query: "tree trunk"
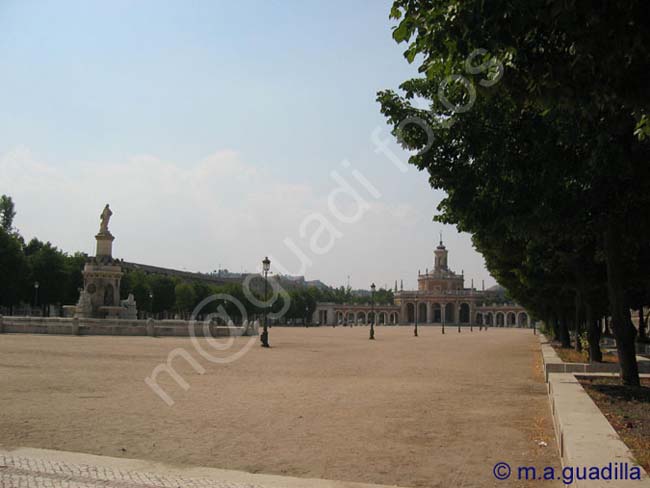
642 334
556 328
565 338
624 331
593 336
578 321
600 325
608 329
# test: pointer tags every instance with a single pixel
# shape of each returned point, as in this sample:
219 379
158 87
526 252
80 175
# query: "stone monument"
100 296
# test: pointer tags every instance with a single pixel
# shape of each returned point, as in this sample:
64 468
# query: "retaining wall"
584 435
116 327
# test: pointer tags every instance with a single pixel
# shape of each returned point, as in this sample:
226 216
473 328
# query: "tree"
7 213
164 294
13 269
552 147
73 266
185 297
48 268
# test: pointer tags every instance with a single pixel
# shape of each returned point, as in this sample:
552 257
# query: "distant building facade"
441 297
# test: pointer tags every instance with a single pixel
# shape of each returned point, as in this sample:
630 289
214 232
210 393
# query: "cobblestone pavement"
26 472
43 471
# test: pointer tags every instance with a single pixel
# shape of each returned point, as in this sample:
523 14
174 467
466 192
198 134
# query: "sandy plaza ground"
437 410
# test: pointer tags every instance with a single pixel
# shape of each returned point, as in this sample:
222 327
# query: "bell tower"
440 263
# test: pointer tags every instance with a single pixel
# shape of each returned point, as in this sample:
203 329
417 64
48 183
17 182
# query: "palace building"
441 297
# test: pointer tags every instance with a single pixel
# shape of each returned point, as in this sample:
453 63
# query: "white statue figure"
84 305
105 219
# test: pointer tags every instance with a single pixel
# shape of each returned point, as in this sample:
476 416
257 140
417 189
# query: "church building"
441 297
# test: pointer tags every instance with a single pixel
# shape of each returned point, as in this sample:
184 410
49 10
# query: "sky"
219 132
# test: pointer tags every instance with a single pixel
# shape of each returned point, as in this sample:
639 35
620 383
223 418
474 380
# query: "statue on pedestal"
105 219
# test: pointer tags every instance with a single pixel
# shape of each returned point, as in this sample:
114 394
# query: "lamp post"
266 266
306 316
151 301
458 318
443 313
415 331
372 311
37 285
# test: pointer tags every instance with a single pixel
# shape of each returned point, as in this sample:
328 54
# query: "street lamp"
266 266
443 313
37 285
306 316
415 331
151 301
372 311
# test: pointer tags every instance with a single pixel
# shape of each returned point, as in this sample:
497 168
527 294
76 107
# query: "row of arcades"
462 313
433 314
364 317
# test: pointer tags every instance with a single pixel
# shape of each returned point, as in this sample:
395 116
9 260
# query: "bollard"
75 326
151 328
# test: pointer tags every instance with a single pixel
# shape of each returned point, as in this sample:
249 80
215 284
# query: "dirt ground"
626 408
435 411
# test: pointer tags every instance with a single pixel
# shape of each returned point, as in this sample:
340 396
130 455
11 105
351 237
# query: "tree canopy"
535 131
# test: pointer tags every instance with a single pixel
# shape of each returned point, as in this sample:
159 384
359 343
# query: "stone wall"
117 327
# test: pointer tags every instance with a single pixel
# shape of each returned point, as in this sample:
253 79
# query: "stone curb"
114 327
553 363
584 435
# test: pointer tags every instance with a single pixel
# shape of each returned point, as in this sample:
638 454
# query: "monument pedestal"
100 297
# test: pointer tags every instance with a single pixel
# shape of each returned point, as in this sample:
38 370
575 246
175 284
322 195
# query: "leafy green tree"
48 268
73 266
13 270
185 297
164 293
7 213
550 148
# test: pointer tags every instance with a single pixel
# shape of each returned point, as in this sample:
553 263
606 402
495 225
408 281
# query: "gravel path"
321 403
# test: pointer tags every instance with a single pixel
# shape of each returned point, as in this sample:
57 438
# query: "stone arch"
437 313
350 318
464 313
393 318
450 315
422 313
522 320
500 319
109 295
511 319
489 318
381 318
410 313
361 318
339 317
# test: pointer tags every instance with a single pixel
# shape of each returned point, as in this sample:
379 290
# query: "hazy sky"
213 129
